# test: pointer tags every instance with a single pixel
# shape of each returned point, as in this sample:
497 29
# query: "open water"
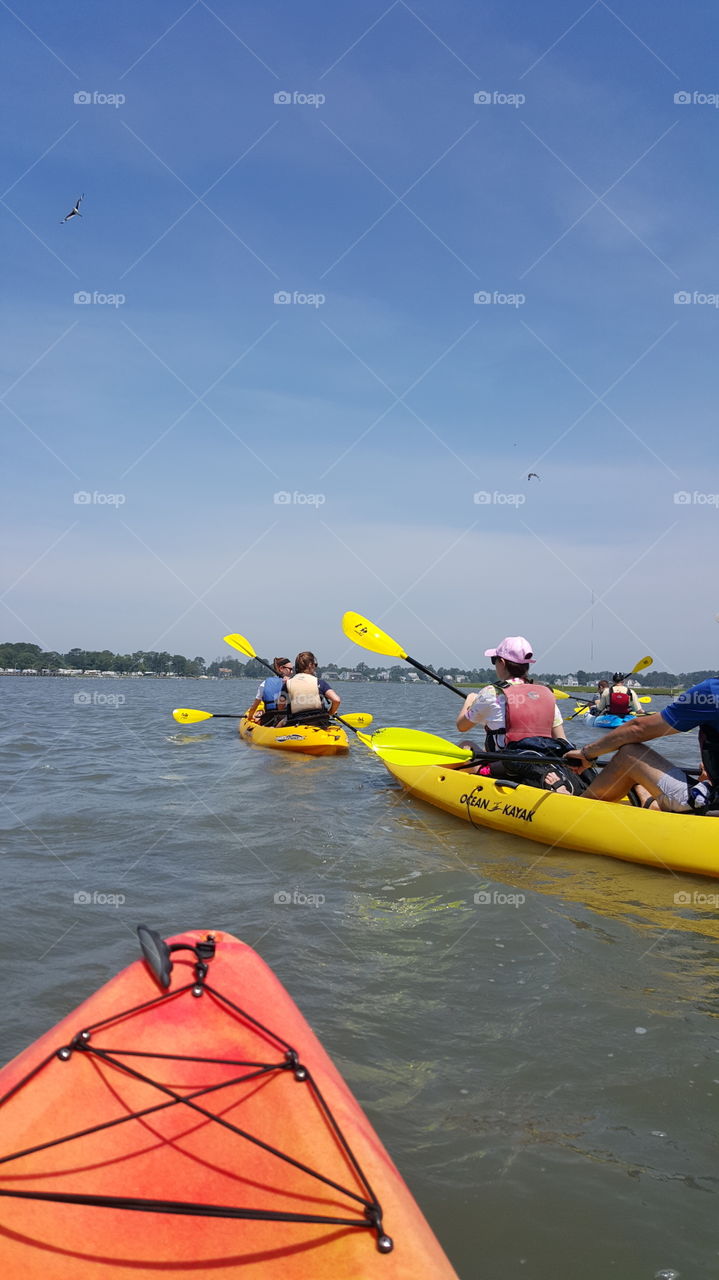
543 1064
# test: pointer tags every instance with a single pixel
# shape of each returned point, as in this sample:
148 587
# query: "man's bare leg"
632 766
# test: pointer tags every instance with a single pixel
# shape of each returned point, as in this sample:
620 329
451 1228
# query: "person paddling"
602 685
308 694
515 713
659 783
272 694
618 699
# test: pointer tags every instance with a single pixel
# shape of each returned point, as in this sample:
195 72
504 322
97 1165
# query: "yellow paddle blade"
559 693
644 699
640 665
357 719
419 759
413 742
239 642
185 715
369 636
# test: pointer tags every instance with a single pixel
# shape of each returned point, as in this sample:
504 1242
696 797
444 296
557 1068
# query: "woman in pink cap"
513 711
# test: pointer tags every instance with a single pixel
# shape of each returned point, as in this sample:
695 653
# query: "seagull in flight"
74 212
533 476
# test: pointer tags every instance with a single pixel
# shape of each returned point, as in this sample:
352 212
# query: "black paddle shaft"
433 676
516 757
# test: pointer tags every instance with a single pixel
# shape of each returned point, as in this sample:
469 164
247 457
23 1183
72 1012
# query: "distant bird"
74 212
533 476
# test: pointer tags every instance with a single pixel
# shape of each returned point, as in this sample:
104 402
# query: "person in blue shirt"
272 693
658 783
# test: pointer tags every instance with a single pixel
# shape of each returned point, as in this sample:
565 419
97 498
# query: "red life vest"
620 703
529 710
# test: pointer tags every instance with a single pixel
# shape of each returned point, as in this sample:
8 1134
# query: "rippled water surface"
544 1068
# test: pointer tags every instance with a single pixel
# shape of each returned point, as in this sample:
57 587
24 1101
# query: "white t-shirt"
486 708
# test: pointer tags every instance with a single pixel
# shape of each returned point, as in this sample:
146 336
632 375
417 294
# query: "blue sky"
381 410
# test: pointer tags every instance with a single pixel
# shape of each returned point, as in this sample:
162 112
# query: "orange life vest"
529 711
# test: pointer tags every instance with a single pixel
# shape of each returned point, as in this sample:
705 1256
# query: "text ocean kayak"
172 1134
672 841
307 739
608 721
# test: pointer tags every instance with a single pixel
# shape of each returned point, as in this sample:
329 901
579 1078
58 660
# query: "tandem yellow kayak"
669 841
306 739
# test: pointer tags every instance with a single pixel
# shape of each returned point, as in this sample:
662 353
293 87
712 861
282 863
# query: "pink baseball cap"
512 649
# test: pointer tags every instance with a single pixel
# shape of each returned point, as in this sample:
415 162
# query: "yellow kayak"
307 739
670 841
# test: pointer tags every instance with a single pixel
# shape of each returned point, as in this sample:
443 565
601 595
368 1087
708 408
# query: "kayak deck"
671 841
305 739
175 1134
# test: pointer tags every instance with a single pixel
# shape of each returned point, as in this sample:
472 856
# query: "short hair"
516 669
279 662
303 661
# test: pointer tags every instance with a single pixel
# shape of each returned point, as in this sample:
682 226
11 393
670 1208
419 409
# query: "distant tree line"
30 657
651 678
24 656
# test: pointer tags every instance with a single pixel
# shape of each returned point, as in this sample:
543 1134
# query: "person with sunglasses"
308 694
517 715
272 694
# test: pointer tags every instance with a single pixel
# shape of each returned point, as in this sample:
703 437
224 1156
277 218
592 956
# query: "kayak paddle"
186 715
370 636
236 641
582 711
413 740
414 747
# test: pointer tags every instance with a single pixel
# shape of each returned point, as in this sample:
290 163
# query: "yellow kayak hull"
304 739
669 841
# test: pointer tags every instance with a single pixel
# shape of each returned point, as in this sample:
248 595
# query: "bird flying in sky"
74 212
533 476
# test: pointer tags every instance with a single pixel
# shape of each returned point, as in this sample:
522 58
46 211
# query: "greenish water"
542 1065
